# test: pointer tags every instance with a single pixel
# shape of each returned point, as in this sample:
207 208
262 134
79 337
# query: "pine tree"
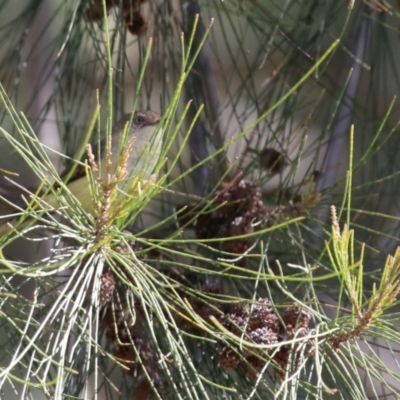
260 260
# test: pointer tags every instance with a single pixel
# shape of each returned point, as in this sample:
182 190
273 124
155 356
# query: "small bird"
142 159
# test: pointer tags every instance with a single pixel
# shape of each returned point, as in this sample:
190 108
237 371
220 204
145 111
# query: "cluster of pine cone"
130 11
236 210
257 323
129 341
260 324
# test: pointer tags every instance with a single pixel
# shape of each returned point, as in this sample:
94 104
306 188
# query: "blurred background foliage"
133 321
